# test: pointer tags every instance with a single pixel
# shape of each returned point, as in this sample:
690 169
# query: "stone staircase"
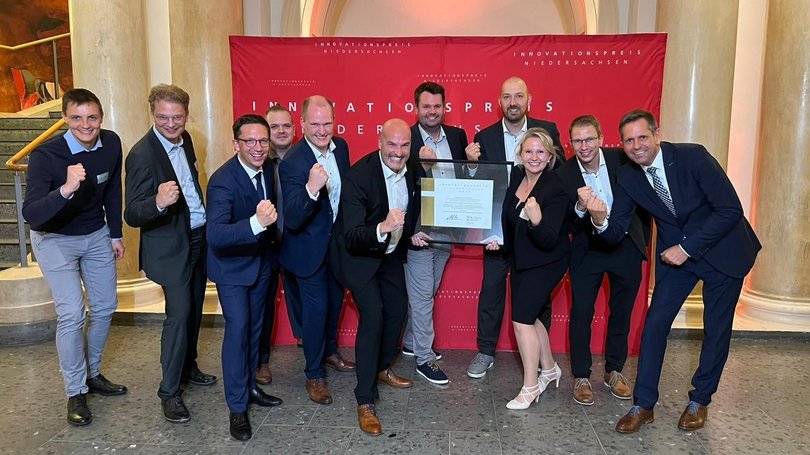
15 133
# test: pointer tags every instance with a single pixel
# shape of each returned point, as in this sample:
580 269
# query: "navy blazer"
355 250
584 238
165 246
456 140
491 140
235 253
534 246
710 224
307 223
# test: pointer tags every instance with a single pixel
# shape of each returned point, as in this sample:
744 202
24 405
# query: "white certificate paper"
462 203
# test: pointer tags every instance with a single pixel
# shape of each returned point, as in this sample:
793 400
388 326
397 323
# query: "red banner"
371 80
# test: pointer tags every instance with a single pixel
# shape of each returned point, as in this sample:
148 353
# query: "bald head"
318 119
514 100
395 144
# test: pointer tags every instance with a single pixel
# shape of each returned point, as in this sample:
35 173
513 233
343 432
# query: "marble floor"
760 407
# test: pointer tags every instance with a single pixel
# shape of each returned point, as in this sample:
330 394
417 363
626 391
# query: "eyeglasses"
581 142
252 142
160 118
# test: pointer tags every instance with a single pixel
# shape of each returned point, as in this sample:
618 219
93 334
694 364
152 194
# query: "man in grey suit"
164 200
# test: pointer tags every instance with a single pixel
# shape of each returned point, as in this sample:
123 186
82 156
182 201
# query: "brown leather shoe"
318 391
388 377
368 420
634 419
583 393
618 385
693 417
337 362
263 374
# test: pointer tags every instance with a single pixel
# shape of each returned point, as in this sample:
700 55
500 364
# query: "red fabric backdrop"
372 79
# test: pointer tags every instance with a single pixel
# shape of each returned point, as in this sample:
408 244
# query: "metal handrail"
52 40
13 165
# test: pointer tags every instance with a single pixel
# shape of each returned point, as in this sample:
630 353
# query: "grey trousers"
423 275
66 262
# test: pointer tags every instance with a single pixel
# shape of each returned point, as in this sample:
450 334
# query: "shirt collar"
168 146
425 135
522 128
387 172
250 172
657 163
317 152
601 162
74 145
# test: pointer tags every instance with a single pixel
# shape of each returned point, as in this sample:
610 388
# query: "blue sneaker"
430 370
409 352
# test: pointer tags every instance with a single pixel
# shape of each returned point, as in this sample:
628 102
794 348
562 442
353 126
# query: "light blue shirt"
329 164
599 182
74 145
177 155
511 141
442 149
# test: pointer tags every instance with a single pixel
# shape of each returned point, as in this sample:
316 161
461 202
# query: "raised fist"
317 178
532 209
473 151
266 213
393 221
168 193
75 176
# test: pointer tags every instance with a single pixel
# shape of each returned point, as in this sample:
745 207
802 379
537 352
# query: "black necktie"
259 186
661 190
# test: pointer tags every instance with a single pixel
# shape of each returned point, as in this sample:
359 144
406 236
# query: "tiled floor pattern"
760 407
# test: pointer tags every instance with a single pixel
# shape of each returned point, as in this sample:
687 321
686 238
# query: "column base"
774 312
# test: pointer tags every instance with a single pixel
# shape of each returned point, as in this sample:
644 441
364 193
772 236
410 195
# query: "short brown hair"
585 120
170 93
638 114
80 96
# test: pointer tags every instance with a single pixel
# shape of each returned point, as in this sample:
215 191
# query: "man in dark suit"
241 260
311 179
431 139
164 200
702 235
498 142
593 171
368 250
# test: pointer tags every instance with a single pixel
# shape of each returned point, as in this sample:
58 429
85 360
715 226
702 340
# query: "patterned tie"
661 190
259 186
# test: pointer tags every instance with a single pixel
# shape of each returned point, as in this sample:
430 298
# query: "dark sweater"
100 193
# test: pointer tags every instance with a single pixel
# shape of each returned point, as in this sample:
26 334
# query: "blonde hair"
545 141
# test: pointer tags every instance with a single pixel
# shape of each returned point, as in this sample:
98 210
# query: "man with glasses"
593 171
164 200
241 233
311 180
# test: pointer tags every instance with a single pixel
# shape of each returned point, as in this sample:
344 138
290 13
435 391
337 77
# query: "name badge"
101 178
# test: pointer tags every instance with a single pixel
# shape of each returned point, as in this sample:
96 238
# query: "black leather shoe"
174 410
258 396
77 411
240 426
197 377
103 386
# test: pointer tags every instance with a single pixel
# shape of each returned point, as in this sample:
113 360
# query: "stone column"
778 291
201 65
116 68
698 83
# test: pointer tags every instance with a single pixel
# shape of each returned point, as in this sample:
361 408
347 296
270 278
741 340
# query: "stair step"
10 249
9 148
8 207
9 264
7 176
26 123
8 228
7 190
23 135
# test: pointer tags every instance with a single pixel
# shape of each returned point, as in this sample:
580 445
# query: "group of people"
301 214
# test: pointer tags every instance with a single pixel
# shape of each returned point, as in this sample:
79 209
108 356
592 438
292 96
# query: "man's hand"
473 151
393 221
420 239
75 176
168 193
583 194
598 210
674 255
317 178
493 246
427 153
266 213
118 249
532 209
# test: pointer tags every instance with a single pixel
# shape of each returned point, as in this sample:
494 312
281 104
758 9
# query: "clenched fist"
583 194
75 176
427 153
598 210
532 209
393 221
317 178
168 193
473 151
266 213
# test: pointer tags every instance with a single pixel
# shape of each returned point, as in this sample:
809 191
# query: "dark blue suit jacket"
710 224
235 253
307 223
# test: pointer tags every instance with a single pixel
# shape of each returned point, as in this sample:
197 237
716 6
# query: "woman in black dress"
535 239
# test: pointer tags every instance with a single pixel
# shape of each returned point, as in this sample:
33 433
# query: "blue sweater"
98 196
